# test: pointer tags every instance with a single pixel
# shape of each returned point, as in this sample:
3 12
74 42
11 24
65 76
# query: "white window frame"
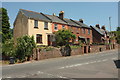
46 25
55 27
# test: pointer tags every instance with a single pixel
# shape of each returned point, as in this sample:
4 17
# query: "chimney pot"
103 27
98 26
81 20
54 14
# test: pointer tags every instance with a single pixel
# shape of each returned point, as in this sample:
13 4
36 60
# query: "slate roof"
35 15
81 24
55 19
51 18
99 30
70 22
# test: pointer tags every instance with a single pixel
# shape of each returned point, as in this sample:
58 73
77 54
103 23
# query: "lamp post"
110 23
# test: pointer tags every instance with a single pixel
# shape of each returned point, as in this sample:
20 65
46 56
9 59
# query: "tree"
118 35
62 39
8 48
25 46
5 25
118 28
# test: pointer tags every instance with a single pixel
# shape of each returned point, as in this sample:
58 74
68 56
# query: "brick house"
42 27
100 35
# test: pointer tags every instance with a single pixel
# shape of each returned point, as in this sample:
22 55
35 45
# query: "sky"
91 12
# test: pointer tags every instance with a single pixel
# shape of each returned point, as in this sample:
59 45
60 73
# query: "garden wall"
54 53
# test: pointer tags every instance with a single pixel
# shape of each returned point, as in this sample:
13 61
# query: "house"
42 27
32 23
81 30
100 35
85 34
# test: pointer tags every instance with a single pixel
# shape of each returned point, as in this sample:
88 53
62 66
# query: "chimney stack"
81 20
61 14
103 27
98 26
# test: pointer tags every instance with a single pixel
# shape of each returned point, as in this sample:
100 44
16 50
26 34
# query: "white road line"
75 65
9 77
114 58
105 60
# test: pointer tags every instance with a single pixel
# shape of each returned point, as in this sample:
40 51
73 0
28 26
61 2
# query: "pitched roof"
35 15
55 19
70 22
81 24
98 30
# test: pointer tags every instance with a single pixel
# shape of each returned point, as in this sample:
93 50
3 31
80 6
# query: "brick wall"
42 54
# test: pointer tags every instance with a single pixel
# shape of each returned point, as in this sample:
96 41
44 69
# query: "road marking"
75 65
114 58
9 77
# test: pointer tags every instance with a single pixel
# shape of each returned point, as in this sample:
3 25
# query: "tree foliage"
118 28
5 25
25 45
63 37
118 36
8 48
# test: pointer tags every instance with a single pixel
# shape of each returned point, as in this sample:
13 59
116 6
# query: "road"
92 65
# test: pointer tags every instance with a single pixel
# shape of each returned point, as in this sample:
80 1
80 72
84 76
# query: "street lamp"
110 23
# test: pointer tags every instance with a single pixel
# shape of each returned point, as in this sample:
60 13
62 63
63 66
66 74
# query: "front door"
49 42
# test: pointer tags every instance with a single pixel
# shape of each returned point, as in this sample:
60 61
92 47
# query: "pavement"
92 65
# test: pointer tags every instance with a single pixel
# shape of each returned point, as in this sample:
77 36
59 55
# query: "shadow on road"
117 63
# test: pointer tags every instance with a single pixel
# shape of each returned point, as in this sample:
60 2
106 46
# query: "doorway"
85 49
49 42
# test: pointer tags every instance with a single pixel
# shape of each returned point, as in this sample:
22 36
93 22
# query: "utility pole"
110 23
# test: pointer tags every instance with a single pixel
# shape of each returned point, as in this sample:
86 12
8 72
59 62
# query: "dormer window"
35 23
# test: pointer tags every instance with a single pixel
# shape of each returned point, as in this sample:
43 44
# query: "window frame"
45 28
63 26
83 31
39 38
35 23
88 31
55 26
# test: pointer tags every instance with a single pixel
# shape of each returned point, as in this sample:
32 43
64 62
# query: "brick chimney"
98 26
61 14
103 27
81 20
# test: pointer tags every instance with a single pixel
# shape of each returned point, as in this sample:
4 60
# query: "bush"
25 46
63 37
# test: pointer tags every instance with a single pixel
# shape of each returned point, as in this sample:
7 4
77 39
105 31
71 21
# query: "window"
35 23
63 26
39 38
88 31
83 31
46 25
55 27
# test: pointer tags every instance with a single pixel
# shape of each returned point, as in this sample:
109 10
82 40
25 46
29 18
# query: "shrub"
25 45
